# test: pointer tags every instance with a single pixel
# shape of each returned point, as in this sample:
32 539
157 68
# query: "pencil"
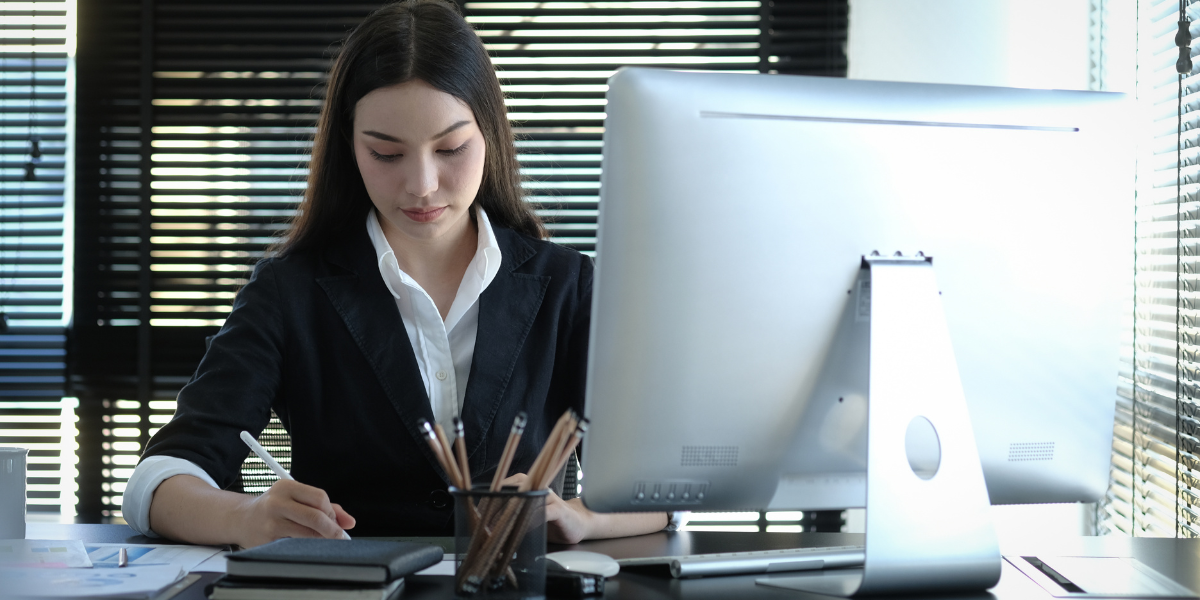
549 451
536 468
565 454
510 449
435 445
460 447
456 475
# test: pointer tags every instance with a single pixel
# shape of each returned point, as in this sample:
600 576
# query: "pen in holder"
500 543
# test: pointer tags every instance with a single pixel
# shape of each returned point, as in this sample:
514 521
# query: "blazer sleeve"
577 347
233 387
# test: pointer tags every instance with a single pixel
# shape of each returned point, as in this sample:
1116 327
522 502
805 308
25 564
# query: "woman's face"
421 157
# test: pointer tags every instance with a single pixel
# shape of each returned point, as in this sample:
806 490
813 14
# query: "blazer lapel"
369 312
507 309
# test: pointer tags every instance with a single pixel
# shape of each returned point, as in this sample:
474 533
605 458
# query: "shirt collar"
489 249
485 264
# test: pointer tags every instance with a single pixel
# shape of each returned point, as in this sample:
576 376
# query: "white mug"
12 493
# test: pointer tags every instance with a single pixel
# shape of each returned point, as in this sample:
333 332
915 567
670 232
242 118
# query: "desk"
1177 559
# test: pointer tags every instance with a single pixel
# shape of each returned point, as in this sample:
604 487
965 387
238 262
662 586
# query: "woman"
413 285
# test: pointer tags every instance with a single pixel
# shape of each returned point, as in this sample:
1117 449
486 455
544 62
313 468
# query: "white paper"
444 567
1102 577
139 582
214 564
43 554
151 555
1115 577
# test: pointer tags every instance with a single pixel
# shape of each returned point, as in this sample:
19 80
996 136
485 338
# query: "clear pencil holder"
500 544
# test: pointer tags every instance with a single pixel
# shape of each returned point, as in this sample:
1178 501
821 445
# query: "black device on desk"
564 584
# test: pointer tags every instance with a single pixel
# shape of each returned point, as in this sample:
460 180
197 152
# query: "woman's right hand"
290 509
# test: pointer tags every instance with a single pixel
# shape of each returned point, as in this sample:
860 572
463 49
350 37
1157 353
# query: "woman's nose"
422 178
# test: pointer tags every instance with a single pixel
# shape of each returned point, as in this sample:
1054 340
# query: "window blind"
194 132
195 125
36 72
554 58
1155 488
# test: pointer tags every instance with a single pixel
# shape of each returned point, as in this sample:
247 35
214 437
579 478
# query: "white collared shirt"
444 350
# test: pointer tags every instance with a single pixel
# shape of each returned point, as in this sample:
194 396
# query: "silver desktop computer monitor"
735 213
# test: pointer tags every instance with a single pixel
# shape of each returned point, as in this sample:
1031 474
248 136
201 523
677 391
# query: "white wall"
1013 43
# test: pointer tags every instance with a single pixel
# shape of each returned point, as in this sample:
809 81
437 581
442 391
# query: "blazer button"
440 499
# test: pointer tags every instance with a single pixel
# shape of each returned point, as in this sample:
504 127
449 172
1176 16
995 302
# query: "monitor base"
928 515
833 582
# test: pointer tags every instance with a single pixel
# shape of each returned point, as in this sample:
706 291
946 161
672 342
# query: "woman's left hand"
567 521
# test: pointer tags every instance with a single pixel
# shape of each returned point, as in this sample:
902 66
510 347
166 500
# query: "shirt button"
440 499
441 375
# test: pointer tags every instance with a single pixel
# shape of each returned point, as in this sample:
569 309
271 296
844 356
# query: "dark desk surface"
1178 559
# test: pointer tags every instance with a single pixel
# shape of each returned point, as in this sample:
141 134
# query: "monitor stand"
929 524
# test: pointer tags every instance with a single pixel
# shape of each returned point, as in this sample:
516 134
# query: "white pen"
271 464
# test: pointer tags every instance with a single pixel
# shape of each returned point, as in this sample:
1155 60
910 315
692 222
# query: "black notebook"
370 561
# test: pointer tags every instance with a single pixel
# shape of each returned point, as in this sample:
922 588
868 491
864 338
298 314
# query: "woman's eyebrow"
445 132
383 136
389 138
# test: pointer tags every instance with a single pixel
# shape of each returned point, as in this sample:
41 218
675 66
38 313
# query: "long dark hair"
411 39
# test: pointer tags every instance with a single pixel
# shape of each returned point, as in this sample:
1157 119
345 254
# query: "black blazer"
318 338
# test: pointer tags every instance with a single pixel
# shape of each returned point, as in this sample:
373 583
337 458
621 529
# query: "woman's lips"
424 216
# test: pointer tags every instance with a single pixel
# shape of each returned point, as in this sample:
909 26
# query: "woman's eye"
384 157
454 151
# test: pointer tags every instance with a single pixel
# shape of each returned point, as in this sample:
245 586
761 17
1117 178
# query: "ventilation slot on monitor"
709 456
1027 451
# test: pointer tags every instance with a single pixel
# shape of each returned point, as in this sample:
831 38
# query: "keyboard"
759 561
